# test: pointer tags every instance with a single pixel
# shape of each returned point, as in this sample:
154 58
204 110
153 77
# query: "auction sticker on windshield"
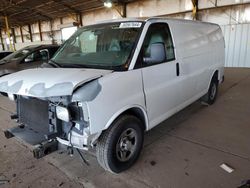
130 25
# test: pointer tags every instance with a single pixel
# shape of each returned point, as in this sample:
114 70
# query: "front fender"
87 91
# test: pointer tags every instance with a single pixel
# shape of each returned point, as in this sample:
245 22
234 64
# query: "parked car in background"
29 57
3 54
113 81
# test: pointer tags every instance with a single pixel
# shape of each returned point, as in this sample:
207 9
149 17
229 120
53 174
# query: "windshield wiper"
72 65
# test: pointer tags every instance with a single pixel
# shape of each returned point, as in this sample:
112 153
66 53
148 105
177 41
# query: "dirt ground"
184 151
19 168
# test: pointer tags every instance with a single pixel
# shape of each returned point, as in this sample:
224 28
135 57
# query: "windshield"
105 46
17 54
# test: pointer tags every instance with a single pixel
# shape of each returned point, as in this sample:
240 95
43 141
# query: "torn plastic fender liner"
88 91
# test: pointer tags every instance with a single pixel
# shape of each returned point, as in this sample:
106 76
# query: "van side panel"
200 51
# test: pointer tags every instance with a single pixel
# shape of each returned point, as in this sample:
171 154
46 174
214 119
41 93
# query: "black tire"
111 145
211 95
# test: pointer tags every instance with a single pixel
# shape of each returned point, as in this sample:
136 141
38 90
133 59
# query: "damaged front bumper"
39 125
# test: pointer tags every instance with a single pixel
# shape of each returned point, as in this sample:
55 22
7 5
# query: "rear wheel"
119 147
211 95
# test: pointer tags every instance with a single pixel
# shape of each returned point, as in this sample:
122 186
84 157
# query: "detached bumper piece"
42 146
26 134
8 134
45 149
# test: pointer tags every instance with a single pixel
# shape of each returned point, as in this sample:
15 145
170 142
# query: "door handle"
177 69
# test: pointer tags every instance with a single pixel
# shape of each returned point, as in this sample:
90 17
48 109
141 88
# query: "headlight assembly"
62 113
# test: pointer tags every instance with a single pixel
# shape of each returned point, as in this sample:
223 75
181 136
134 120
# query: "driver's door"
162 82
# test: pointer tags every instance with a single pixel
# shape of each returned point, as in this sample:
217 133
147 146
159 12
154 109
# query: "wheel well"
137 112
216 75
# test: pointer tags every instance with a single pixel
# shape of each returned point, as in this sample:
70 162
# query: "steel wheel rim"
126 145
213 91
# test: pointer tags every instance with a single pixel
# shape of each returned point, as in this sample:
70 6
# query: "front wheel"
119 147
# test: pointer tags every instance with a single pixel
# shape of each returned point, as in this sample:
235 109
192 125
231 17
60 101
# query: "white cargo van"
112 81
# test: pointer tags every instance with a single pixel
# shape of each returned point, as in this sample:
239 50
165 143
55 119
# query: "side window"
30 58
159 33
39 55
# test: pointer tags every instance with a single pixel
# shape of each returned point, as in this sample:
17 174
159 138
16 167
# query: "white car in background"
112 81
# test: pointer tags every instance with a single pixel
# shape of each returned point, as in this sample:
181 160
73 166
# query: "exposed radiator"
34 113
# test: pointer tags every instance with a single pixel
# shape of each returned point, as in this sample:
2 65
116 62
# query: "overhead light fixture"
108 4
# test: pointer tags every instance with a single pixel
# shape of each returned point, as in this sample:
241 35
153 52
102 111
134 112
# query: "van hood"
48 82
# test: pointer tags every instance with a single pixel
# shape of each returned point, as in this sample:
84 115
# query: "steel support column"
195 9
8 32
14 38
40 30
31 37
80 19
21 32
1 37
121 9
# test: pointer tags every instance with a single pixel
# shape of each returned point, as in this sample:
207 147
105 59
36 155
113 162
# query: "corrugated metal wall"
237 40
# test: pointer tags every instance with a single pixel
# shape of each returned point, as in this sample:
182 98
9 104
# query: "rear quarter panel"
200 51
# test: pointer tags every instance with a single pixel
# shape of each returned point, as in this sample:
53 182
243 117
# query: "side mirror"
28 60
157 54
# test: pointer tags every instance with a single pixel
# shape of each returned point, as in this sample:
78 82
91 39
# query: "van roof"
154 19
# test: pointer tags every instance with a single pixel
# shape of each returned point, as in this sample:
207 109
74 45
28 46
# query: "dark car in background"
29 57
3 54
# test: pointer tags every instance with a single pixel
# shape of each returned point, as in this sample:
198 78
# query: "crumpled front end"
46 114
56 119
